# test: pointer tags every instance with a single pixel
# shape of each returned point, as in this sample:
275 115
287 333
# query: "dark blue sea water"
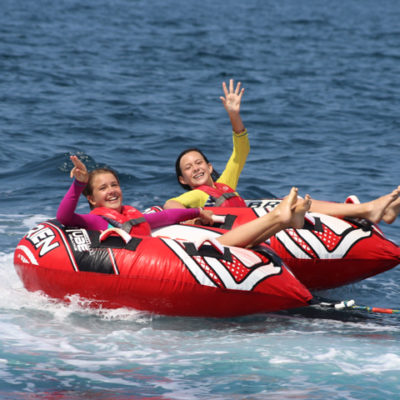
132 83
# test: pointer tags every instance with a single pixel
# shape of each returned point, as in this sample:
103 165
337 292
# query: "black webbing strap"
361 223
229 221
126 226
317 226
115 242
207 251
223 197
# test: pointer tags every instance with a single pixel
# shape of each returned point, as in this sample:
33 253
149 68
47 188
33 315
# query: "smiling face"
106 192
195 171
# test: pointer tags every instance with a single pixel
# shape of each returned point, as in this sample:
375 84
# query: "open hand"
233 97
79 171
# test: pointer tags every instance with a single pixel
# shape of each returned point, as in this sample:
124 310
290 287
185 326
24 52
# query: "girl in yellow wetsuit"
195 174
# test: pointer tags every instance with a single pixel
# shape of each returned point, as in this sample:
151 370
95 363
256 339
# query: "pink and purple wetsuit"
67 216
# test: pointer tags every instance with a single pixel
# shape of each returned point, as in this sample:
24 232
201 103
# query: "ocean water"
130 84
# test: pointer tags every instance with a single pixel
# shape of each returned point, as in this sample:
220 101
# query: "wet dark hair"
178 170
88 191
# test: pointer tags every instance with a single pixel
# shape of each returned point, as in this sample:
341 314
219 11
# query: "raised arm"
241 145
79 171
66 210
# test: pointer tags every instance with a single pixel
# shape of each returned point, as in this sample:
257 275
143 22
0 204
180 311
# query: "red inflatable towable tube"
156 274
329 253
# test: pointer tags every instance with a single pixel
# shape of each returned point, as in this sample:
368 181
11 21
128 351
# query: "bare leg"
374 210
289 213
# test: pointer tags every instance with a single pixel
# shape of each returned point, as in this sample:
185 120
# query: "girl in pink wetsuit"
109 194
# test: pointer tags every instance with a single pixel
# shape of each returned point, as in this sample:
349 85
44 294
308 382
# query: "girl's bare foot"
386 207
286 207
393 209
302 206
